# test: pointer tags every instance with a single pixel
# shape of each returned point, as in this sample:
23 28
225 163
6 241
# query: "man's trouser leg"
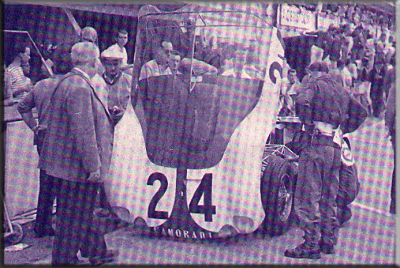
349 186
330 187
75 223
377 100
393 188
315 203
308 193
47 194
46 199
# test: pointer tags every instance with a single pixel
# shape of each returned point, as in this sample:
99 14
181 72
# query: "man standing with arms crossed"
77 149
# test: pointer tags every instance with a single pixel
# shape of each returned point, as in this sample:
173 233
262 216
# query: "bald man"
77 151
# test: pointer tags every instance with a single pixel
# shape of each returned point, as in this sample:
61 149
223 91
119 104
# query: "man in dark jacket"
39 97
323 106
390 122
77 150
378 84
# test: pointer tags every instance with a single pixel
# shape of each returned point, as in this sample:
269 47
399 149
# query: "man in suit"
77 150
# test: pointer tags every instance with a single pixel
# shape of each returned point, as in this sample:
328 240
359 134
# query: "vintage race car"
190 159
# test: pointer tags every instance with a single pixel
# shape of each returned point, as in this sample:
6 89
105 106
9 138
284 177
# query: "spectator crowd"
364 64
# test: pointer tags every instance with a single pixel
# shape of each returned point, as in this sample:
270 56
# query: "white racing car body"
188 151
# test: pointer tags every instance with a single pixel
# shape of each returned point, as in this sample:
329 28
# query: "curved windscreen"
197 76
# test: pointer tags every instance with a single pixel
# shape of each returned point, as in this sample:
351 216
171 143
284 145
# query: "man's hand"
95 176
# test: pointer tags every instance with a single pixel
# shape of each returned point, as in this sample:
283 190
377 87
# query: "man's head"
89 34
378 64
167 47
340 64
85 55
382 38
23 51
292 76
175 59
122 38
391 38
317 68
160 56
62 59
111 60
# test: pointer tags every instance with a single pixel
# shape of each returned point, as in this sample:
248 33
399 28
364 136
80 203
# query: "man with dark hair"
390 123
17 84
378 87
39 97
322 106
119 47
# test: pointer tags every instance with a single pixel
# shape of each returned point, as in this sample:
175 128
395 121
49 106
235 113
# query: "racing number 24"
205 188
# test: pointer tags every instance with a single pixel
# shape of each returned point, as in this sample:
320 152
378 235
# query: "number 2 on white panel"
204 189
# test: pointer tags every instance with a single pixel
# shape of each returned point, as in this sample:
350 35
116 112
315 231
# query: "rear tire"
277 190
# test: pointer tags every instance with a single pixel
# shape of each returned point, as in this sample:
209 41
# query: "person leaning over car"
322 106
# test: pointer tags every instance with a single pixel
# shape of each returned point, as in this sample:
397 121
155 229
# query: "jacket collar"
78 71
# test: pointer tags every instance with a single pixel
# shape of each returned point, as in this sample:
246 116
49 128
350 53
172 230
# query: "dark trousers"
376 95
316 192
76 227
393 188
47 194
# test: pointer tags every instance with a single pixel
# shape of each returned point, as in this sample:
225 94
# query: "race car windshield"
198 75
204 43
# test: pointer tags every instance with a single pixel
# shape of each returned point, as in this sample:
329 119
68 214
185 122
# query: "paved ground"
360 243
369 238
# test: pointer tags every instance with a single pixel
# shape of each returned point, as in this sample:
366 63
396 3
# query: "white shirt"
346 77
316 53
152 68
231 72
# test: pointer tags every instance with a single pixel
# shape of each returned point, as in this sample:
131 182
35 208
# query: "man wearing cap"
322 106
77 150
113 88
118 83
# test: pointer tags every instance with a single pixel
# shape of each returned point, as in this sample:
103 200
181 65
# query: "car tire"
16 236
277 191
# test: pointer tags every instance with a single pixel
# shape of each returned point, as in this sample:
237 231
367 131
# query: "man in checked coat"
77 150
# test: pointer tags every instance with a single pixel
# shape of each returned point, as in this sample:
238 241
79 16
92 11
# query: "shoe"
326 248
44 232
74 261
305 250
108 257
101 212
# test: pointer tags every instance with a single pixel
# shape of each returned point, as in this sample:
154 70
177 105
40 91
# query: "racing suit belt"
324 128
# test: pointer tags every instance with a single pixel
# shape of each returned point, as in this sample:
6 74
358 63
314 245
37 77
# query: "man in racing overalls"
322 106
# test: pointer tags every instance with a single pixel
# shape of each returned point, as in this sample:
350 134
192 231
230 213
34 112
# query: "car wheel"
277 190
16 236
